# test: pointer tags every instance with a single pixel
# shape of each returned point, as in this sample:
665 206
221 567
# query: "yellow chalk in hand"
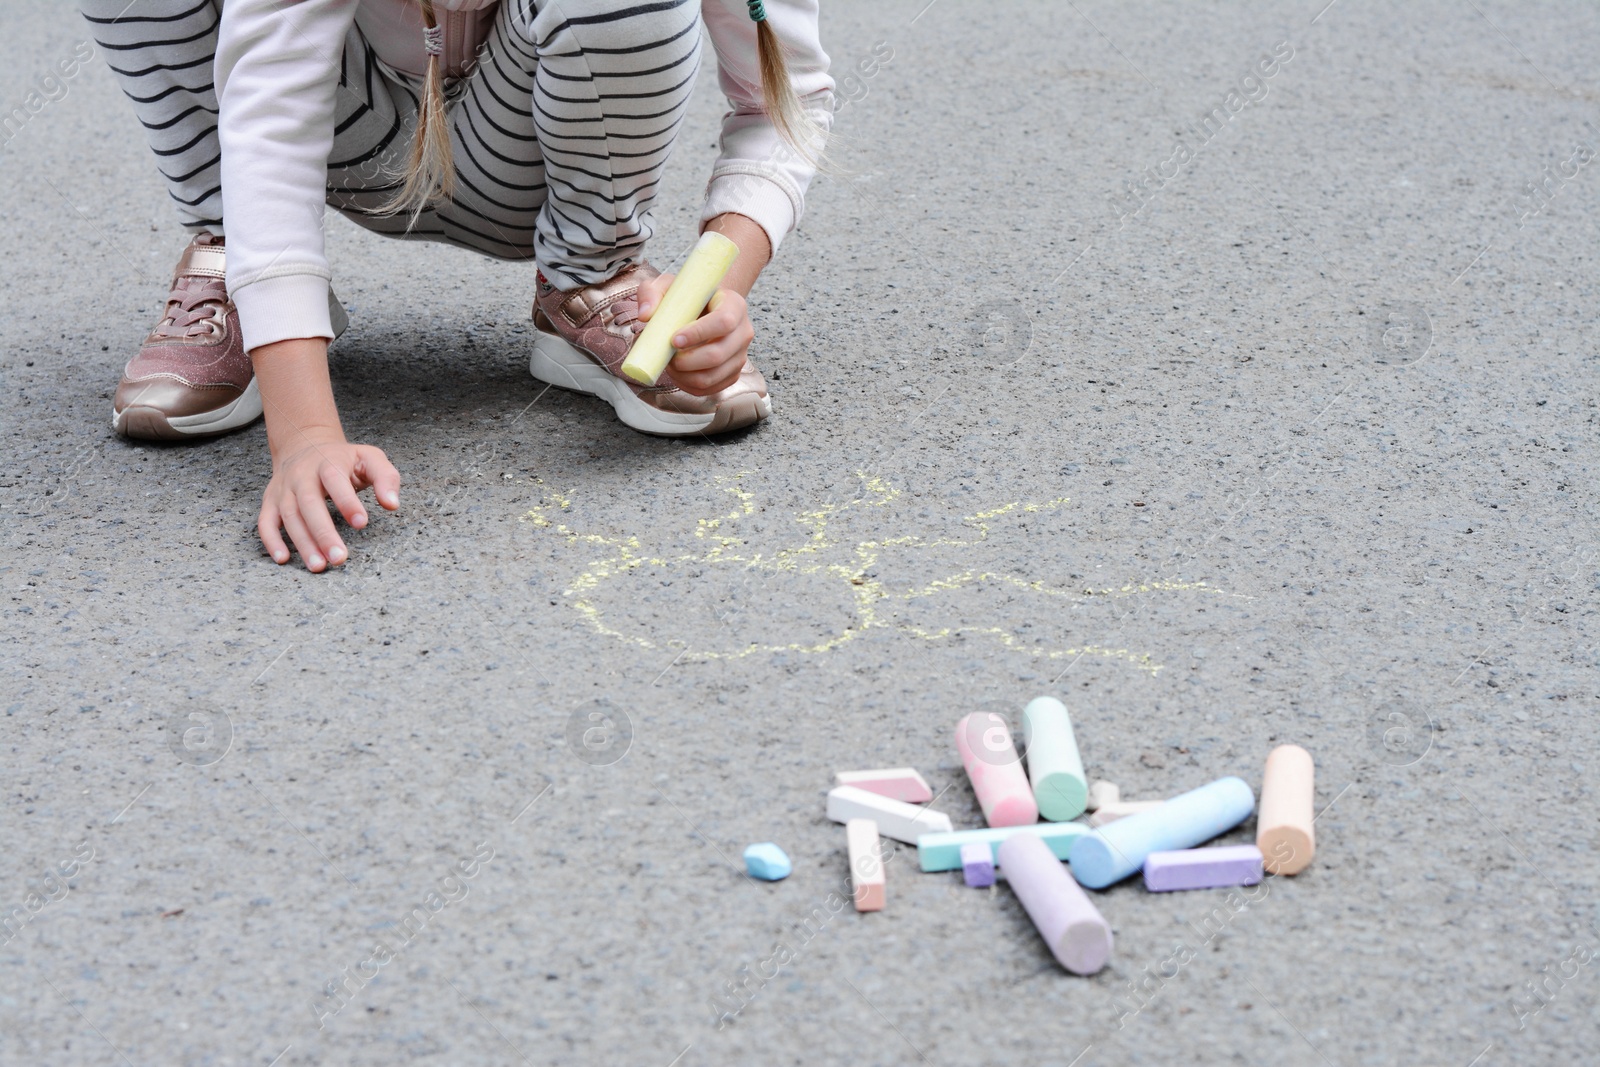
686 297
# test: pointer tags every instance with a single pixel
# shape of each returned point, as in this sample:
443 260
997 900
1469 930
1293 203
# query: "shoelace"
625 312
199 303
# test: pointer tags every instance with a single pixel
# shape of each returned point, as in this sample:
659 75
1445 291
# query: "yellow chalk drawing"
821 552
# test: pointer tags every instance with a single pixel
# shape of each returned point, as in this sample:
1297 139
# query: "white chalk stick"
1101 794
1112 812
897 783
895 818
866 864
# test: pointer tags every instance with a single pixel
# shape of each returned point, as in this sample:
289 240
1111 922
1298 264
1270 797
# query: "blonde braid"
430 174
783 106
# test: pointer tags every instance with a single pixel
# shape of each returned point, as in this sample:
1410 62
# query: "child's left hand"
712 349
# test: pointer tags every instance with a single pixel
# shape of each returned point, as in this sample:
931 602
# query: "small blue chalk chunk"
767 862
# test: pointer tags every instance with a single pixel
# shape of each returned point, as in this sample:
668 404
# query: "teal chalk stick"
941 851
1054 767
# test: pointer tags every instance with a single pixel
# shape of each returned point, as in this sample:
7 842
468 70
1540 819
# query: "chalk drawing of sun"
834 575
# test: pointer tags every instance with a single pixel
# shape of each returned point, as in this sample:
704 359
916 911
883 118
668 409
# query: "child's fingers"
267 528
726 349
708 368
650 294
373 468
717 375
303 542
319 524
725 312
342 492
704 383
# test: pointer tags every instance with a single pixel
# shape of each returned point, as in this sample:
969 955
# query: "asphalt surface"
1296 442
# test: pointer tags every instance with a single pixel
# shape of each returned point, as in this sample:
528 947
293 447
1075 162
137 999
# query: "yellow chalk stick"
686 297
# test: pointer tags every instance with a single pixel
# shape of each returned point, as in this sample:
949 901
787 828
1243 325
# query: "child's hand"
301 481
711 350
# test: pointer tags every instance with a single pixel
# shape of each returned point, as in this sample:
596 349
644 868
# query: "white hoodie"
277 75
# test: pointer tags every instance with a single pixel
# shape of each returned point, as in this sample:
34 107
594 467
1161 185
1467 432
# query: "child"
539 131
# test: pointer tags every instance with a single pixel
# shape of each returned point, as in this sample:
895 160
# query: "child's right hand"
302 480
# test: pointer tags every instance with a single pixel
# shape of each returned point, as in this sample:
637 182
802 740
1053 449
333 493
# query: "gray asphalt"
1297 442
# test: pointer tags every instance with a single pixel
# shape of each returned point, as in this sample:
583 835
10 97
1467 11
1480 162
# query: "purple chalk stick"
1202 868
1078 935
977 864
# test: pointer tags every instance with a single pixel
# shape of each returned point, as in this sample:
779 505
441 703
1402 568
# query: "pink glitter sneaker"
582 337
192 378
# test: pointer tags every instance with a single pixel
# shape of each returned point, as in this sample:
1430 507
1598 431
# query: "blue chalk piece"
1119 848
977 864
767 862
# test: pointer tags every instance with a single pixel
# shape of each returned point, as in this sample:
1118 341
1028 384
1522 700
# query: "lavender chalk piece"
977 864
1078 935
767 862
1202 868
1114 851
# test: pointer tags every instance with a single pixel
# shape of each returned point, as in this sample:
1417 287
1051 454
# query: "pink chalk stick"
897 783
1202 868
1078 935
995 768
977 864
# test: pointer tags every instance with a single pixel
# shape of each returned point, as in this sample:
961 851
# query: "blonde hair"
430 174
778 97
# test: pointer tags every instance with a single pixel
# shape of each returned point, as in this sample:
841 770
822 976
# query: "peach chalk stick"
866 864
895 818
1101 794
1114 811
1284 833
984 741
1078 935
897 783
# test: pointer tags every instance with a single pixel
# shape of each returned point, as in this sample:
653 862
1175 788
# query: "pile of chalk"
1161 838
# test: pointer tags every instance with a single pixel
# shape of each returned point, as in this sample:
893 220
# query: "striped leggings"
560 131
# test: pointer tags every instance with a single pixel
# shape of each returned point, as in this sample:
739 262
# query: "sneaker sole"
556 362
153 424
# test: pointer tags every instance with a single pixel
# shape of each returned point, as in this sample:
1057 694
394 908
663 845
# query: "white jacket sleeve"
757 173
277 75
